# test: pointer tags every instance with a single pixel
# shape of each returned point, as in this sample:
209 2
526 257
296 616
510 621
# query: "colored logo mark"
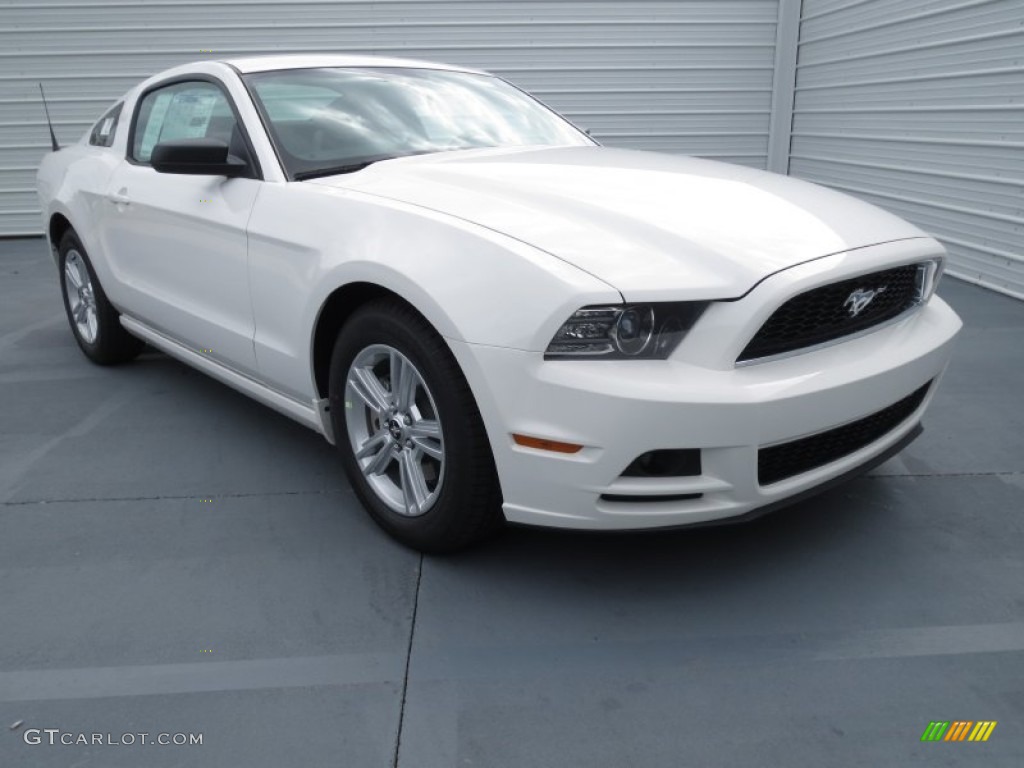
958 730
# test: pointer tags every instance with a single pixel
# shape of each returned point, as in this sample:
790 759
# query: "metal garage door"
690 76
918 106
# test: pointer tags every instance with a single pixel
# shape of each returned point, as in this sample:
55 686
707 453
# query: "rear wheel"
411 438
93 320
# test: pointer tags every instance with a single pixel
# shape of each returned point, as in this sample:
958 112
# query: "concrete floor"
177 558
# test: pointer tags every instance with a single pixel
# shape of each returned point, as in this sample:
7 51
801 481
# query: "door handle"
119 198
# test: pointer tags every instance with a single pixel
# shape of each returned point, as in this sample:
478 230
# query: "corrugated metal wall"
691 76
918 106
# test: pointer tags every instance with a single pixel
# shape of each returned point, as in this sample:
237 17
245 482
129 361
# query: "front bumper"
698 399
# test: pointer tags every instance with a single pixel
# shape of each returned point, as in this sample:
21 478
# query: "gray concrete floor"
177 558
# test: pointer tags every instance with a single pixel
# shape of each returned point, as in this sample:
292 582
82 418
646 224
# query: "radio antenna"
53 136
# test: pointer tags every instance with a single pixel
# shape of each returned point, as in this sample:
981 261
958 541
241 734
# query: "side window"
192 110
103 132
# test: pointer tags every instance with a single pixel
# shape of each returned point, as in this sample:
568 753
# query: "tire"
434 494
94 321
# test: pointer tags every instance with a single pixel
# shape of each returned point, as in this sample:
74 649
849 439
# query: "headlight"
928 275
624 331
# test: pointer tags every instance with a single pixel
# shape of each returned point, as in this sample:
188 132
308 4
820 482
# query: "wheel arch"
57 226
335 310
346 299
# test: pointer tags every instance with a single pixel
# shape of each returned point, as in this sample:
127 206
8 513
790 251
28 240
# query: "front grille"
779 462
823 314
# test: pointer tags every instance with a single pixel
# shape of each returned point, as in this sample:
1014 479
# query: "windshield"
325 121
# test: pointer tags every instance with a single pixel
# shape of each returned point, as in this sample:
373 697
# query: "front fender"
472 284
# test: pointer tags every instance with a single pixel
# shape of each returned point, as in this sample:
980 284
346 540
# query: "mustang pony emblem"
859 299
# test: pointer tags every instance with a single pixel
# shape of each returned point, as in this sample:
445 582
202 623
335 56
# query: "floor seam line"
408 663
240 495
947 474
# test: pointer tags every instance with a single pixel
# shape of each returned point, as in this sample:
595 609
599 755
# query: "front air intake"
779 462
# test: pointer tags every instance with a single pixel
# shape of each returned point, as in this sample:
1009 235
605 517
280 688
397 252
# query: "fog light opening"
684 462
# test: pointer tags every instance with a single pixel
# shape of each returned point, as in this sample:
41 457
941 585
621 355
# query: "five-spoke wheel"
410 435
394 430
80 295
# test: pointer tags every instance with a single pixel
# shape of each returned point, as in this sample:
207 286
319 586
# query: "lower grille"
786 460
830 312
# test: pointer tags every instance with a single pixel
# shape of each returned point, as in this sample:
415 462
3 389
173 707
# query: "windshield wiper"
338 169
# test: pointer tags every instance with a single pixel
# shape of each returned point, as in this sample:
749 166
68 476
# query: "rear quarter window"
103 132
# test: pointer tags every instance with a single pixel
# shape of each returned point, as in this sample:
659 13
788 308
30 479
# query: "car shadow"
836 520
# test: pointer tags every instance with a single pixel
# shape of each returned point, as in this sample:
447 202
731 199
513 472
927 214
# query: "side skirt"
311 415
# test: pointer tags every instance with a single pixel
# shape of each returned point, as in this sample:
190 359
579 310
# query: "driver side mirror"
197 157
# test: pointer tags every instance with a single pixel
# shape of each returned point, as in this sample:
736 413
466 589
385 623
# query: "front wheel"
410 435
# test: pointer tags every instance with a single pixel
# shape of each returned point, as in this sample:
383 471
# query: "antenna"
53 137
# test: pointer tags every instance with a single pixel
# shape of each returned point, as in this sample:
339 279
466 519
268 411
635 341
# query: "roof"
315 60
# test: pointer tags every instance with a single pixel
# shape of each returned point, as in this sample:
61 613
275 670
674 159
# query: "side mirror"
197 157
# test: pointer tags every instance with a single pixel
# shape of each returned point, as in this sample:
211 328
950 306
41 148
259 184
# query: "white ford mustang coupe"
492 316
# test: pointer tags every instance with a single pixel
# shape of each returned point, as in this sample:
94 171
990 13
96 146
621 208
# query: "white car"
492 316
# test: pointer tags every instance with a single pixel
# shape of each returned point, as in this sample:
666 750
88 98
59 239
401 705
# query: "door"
177 243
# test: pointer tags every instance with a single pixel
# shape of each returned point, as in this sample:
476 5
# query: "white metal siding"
692 76
918 106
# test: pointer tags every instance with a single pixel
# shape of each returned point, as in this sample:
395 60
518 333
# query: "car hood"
653 226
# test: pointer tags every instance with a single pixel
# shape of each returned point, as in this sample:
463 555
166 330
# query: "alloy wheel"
81 296
394 429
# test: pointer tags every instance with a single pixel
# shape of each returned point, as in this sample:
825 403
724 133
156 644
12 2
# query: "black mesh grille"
823 314
788 459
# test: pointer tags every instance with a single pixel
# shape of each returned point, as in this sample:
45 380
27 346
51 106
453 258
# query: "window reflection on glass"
323 120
